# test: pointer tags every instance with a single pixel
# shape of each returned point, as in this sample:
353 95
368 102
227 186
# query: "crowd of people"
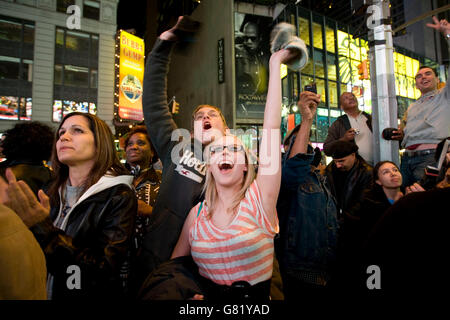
215 224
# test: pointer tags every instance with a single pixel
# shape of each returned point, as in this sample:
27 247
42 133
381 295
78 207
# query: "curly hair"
28 141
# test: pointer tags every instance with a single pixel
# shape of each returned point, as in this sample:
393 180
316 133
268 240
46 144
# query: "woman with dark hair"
27 146
141 156
85 224
385 190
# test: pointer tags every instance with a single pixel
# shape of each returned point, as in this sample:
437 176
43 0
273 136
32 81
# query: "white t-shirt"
364 140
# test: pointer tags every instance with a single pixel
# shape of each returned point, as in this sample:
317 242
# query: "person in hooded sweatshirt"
85 224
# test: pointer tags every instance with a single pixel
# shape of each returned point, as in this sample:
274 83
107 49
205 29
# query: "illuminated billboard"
63 107
131 75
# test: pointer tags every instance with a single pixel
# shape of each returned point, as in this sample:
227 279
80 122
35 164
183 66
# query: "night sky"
132 14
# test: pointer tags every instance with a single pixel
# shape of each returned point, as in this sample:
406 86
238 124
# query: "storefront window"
76 72
319 64
9 67
76 76
27 70
331 65
91 9
59 37
77 41
16 68
317 35
28 33
58 74
333 94
321 89
330 37
304 30
61 5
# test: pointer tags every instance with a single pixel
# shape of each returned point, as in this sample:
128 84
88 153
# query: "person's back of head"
29 141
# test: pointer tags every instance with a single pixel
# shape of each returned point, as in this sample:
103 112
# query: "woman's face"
138 150
227 161
76 144
389 176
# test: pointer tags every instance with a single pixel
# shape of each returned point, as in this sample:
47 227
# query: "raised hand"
307 104
284 56
442 26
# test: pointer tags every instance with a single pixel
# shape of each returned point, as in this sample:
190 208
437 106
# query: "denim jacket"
308 219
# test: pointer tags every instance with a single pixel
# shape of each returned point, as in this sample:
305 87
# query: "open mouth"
207 125
225 166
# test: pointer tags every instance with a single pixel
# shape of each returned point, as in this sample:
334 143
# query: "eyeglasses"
230 147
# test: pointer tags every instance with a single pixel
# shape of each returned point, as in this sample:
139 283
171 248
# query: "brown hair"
106 158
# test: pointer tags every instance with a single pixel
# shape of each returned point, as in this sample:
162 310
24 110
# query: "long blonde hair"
210 190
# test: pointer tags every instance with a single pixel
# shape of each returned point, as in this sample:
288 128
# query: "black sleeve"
157 116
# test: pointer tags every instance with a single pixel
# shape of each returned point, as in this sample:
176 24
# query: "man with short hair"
427 121
354 126
184 170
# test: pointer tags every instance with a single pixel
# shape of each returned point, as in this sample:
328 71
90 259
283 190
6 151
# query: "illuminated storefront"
335 54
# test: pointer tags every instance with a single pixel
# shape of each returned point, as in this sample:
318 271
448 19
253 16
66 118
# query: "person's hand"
283 56
170 35
442 26
349 135
398 135
307 104
144 209
414 188
23 201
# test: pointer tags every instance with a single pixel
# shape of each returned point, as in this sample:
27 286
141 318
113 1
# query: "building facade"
54 60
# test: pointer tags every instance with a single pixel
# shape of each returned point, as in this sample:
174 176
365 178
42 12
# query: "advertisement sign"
131 76
251 38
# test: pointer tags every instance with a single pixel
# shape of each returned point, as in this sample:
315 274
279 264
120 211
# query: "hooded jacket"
84 257
184 170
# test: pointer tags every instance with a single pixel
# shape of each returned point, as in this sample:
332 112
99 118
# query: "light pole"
384 102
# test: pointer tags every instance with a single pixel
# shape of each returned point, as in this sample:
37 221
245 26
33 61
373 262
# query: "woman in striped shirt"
230 234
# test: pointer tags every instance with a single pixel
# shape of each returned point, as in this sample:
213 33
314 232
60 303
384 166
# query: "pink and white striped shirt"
242 251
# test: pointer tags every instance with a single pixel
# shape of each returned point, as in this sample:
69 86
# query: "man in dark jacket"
348 174
354 126
183 166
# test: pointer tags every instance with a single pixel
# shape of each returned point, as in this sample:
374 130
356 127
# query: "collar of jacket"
105 182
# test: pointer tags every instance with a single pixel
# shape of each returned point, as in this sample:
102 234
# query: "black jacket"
97 239
182 178
339 128
358 179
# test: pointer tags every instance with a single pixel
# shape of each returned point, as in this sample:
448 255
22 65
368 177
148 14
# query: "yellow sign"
131 76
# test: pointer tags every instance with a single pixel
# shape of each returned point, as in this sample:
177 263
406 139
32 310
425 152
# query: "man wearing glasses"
251 61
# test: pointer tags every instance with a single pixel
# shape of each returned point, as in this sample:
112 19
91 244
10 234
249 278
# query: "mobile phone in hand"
311 87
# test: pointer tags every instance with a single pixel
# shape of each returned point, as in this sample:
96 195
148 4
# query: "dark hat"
340 149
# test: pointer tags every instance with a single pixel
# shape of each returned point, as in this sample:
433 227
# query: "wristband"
447 36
